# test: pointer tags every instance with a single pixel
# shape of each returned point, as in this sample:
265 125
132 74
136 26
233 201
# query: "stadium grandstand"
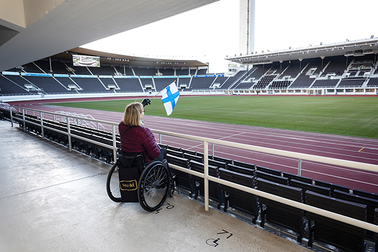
342 68
54 164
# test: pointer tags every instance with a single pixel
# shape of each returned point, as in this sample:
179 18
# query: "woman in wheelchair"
136 138
142 174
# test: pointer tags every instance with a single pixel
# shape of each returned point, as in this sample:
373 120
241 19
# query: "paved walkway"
55 200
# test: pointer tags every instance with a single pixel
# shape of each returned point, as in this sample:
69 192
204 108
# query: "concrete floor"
55 200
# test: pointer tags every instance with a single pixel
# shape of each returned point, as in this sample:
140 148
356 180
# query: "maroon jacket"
138 139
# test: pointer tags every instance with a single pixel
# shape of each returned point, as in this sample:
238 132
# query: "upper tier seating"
90 85
329 83
351 82
343 72
233 80
161 83
373 82
48 84
103 70
7 86
201 82
128 84
336 65
145 71
263 82
280 84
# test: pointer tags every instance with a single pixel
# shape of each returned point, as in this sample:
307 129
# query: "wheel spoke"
153 188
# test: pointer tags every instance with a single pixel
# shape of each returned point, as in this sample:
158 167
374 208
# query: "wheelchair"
155 183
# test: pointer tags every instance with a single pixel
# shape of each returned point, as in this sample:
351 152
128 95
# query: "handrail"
207 177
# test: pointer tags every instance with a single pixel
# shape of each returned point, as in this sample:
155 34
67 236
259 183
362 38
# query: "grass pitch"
339 115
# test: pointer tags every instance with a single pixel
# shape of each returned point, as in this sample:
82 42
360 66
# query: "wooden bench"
278 213
339 234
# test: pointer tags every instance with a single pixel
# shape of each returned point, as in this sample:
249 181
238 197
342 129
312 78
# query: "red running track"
341 147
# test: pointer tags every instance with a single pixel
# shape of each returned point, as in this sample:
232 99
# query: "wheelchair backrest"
128 160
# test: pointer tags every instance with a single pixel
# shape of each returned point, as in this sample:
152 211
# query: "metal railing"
207 177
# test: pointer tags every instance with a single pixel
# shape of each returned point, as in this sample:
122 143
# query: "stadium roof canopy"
33 30
132 61
348 48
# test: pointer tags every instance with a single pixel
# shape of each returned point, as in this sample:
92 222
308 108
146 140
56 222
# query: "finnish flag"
170 96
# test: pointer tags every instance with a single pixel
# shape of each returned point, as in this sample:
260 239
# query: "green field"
339 115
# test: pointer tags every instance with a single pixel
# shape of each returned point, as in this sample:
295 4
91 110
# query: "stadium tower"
247 27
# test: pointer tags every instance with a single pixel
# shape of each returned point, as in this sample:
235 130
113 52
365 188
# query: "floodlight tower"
247 27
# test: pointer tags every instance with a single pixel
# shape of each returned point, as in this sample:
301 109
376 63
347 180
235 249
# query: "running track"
341 147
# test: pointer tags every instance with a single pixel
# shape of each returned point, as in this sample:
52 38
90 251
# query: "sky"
210 33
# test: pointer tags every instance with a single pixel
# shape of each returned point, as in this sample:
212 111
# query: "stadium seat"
278 213
268 170
224 160
331 186
365 194
182 178
339 234
238 199
240 169
193 157
177 153
297 177
219 164
371 204
245 165
315 188
271 177
197 183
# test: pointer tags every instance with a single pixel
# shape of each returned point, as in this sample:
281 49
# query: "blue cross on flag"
170 97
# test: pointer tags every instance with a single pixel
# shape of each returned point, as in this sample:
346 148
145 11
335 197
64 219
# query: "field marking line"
361 149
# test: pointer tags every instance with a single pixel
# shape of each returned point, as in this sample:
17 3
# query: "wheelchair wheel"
153 186
112 184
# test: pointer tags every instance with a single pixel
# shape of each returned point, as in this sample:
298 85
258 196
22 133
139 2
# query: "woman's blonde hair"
133 114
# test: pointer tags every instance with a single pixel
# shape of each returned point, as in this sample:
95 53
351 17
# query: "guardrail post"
11 115
69 135
42 130
23 118
159 138
114 143
299 167
206 174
